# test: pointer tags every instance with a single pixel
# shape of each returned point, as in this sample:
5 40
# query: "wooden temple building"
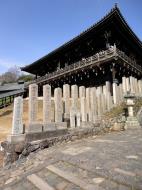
106 51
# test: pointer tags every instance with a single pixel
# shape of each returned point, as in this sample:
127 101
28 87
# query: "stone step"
71 178
39 183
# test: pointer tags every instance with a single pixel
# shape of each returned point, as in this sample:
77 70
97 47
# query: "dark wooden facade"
112 29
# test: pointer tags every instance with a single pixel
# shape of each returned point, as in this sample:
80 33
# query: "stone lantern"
131 121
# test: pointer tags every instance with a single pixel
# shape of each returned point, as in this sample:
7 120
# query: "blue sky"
32 28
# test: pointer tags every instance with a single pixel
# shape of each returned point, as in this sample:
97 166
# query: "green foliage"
26 78
116 111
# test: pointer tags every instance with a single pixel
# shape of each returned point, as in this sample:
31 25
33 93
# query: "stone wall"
15 151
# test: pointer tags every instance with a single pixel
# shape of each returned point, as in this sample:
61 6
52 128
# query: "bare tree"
11 75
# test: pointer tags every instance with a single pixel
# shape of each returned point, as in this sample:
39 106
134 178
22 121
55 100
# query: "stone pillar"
46 104
58 104
88 103
99 106
109 101
135 86
127 85
131 84
83 109
124 85
140 87
99 90
103 103
78 119
33 103
104 90
17 124
66 98
120 92
74 96
108 86
93 104
81 91
72 118
114 93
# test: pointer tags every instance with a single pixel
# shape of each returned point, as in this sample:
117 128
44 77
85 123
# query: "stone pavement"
109 162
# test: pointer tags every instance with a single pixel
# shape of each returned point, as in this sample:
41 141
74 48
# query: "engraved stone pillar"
124 85
93 104
127 85
104 90
83 110
103 103
120 92
109 101
115 93
140 87
108 86
131 84
58 104
88 103
72 119
78 119
66 98
81 91
46 104
33 103
17 124
135 86
74 96
99 106
99 90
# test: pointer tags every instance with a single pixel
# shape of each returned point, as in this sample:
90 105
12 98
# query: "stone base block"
132 123
61 125
49 126
67 119
66 115
35 127
87 124
16 138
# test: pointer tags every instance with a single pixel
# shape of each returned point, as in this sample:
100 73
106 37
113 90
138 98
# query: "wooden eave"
114 13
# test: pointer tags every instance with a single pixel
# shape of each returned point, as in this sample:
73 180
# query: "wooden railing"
98 58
